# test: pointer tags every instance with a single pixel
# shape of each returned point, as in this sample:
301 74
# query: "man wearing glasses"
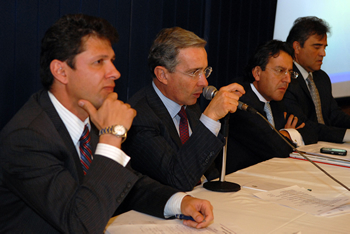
251 139
170 139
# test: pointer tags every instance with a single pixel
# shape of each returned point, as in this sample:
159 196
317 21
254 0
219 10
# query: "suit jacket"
155 147
298 100
251 140
42 187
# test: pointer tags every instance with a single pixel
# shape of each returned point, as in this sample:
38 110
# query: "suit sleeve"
36 168
298 103
154 152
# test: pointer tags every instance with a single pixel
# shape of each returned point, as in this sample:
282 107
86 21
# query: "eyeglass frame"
199 72
293 74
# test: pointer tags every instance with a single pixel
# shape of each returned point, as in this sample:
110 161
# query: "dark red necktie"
85 150
183 128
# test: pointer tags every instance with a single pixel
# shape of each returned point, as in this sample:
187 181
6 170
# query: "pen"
184 217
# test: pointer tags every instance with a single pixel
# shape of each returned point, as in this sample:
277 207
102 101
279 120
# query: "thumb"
87 106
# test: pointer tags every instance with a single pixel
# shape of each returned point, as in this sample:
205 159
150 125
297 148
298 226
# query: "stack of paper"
313 153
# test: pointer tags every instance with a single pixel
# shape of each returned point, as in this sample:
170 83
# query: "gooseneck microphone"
209 92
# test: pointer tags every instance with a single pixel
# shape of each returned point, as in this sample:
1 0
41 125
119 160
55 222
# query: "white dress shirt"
293 133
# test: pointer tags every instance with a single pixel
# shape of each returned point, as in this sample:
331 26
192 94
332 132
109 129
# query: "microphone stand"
222 185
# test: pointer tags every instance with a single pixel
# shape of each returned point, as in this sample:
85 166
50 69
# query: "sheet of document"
304 200
167 227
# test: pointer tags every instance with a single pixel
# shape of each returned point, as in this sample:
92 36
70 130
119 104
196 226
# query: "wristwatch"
117 130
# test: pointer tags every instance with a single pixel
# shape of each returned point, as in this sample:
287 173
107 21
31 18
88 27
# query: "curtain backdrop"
232 28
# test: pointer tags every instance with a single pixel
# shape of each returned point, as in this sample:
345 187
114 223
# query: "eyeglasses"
282 71
198 72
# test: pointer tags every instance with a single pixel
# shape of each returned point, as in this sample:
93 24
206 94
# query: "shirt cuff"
173 205
295 136
347 136
212 125
113 153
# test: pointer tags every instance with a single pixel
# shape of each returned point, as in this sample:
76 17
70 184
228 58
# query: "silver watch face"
119 130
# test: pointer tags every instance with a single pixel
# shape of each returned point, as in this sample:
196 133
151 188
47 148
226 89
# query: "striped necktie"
315 98
85 150
268 111
183 127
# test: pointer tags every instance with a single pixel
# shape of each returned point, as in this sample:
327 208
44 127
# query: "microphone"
209 93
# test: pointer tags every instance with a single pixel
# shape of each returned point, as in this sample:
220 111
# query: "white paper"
169 228
304 200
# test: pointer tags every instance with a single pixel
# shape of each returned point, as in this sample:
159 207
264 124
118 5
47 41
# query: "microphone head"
209 92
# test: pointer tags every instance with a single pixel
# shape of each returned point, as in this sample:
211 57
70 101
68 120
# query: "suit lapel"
63 132
160 110
302 82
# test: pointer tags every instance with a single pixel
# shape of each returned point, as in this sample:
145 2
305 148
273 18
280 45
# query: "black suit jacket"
298 100
42 187
251 140
155 146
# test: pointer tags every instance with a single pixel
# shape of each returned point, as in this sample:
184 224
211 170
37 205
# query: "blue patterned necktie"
85 150
183 127
268 111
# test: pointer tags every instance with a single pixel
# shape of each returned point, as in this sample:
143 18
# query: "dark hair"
263 54
304 27
166 47
66 38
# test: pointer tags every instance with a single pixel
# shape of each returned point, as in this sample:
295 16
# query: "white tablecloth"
244 213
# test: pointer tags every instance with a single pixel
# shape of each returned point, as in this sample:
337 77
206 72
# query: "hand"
200 210
225 100
292 122
112 111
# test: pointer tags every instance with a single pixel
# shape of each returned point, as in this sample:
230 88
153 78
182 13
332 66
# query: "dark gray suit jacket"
298 100
251 140
155 146
42 187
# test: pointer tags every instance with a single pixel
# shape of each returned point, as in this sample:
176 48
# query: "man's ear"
58 70
296 47
161 74
256 71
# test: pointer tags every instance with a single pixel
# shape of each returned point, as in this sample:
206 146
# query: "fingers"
87 106
235 88
111 112
200 210
301 126
225 101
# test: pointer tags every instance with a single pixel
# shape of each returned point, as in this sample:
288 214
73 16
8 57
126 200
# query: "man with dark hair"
167 110
310 95
251 140
53 178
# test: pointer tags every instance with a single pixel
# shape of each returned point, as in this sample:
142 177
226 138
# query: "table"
244 213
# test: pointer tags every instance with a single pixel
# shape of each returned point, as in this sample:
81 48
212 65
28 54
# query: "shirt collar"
172 107
261 98
303 72
73 124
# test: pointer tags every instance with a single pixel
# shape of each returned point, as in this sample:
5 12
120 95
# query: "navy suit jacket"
251 140
42 187
155 147
298 100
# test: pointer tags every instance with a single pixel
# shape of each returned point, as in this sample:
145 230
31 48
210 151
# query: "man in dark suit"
49 181
251 139
179 67
308 36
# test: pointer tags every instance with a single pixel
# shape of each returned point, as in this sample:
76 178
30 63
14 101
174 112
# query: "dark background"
232 28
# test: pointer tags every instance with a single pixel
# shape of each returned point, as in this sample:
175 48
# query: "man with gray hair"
170 139
310 96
